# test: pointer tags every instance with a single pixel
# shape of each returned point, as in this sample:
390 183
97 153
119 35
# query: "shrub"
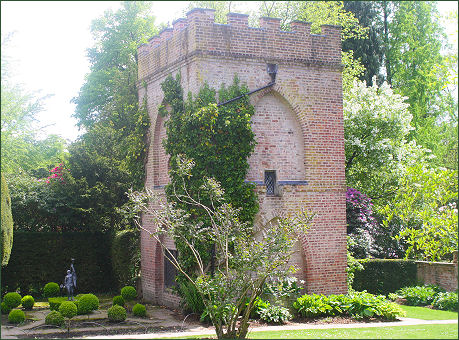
68 309
125 256
55 302
116 313
139 310
12 300
191 300
446 301
27 302
128 293
275 314
5 308
384 276
87 303
419 295
54 318
51 289
258 305
16 316
118 300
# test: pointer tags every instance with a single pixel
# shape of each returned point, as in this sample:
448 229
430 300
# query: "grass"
394 332
428 314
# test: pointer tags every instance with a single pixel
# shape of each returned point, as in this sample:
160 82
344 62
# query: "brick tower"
298 122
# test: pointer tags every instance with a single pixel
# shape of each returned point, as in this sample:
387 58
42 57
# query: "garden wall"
41 257
443 274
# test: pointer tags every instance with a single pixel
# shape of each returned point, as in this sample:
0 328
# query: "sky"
48 50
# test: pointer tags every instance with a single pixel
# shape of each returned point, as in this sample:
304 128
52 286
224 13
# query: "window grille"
170 272
270 182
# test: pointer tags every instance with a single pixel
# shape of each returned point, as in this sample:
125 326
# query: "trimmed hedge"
116 313
16 316
125 256
384 276
40 257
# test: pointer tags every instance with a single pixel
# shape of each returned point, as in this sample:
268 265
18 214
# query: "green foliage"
446 301
55 302
384 276
5 308
12 300
191 301
118 300
125 256
352 265
116 313
356 304
68 309
419 295
51 289
7 224
128 293
219 141
274 314
425 205
139 310
87 303
16 316
91 251
54 318
27 302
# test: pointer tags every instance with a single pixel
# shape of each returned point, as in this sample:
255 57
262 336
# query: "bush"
16 316
382 276
51 289
128 293
55 302
275 314
118 300
139 310
68 309
191 301
87 303
12 300
419 295
5 308
27 302
116 313
357 305
54 318
125 256
258 305
446 301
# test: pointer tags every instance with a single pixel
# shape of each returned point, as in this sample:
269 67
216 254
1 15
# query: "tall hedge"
384 276
125 255
7 224
40 257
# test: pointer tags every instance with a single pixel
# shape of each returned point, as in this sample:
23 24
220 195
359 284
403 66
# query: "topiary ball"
54 318
139 310
128 293
5 308
116 313
28 302
87 303
12 300
16 316
118 300
68 309
51 289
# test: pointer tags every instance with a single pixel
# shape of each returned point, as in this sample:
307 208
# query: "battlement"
198 34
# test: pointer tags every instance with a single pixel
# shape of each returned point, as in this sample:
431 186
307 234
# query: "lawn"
428 314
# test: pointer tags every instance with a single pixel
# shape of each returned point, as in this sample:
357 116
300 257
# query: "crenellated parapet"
198 34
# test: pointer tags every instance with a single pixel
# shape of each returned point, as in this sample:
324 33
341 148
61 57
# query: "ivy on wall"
219 140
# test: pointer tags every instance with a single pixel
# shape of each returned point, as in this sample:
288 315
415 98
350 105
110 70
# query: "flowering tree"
242 264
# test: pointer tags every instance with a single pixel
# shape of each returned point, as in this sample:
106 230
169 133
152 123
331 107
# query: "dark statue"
70 281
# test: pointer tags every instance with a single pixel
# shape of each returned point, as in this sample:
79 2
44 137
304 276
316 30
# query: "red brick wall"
441 274
298 125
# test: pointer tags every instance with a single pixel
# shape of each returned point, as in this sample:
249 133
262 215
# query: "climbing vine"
219 140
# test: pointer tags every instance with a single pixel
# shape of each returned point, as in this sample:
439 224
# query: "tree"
7 224
376 125
424 209
242 265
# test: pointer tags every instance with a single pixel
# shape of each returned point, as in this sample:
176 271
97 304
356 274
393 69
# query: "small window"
271 182
170 272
